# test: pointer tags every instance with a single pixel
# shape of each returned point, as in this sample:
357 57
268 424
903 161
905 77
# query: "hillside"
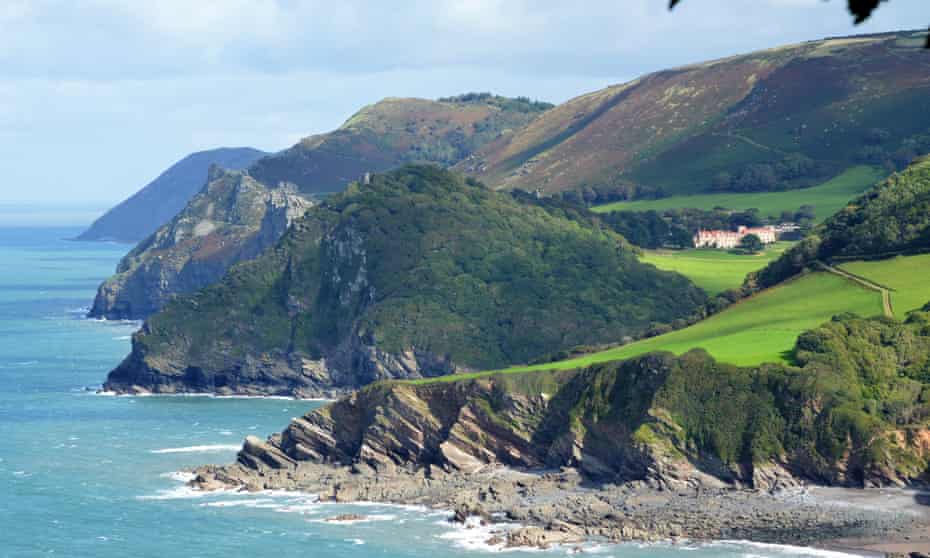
848 414
777 119
381 136
161 199
890 219
395 131
233 218
419 273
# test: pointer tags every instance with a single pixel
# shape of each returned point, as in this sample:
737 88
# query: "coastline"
562 508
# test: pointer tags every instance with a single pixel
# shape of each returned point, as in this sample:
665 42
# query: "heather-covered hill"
419 273
161 199
781 118
396 131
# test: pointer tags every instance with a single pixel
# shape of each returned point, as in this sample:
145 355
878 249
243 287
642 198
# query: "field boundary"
884 291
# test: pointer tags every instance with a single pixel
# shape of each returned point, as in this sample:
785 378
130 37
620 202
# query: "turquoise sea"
87 475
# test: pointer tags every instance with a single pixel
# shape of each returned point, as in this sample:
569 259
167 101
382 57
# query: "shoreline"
561 508
491 528
206 395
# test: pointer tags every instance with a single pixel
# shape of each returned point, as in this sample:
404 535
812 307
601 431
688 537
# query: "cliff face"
419 273
154 205
233 218
673 421
834 103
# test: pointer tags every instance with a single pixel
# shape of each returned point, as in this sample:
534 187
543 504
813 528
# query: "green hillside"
908 277
419 273
893 218
827 198
714 271
760 329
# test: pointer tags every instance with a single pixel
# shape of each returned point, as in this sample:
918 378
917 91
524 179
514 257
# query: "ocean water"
99 476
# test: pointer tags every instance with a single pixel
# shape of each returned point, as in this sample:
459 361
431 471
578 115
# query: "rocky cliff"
419 273
853 413
233 218
160 200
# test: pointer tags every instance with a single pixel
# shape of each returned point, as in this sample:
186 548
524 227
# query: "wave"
209 448
99 391
770 549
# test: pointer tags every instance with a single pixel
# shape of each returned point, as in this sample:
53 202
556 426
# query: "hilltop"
419 273
161 199
395 131
783 118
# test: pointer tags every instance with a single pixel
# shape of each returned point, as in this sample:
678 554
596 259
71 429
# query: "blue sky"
99 96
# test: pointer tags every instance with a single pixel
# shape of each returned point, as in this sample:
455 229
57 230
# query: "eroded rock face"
234 218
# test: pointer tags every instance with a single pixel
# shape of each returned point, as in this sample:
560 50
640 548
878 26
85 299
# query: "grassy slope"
827 198
907 275
759 329
713 270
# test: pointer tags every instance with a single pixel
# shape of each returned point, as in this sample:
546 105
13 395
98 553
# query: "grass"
827 198
759 329
907 276
713 270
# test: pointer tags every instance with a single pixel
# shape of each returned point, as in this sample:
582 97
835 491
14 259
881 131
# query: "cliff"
233 218
852 413
419 273
154 205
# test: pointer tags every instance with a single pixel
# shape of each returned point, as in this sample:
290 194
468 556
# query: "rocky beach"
542 509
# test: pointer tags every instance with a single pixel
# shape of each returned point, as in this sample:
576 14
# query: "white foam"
209 448
263 503
782 549
355 541
123 338
363 519
472 535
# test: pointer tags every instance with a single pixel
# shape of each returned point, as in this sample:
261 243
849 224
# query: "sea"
90 475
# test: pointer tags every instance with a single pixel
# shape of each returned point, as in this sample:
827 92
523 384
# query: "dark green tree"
751 244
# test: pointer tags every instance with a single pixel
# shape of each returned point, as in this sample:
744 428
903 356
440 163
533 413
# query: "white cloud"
98 96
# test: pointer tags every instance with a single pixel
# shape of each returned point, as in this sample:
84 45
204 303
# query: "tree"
861 10
751 244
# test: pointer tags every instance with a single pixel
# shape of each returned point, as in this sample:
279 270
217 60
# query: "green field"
907 276
713 270
759 329
827 198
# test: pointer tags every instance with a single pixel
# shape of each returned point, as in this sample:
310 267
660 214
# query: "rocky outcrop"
234 218
613 452
658 419
160 200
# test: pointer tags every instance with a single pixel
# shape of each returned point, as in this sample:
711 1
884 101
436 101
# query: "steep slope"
161 199
419 273
395 131
854 412
378 137
892 218
775 119
233 218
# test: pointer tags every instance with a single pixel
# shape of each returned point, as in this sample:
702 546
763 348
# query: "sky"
97 97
